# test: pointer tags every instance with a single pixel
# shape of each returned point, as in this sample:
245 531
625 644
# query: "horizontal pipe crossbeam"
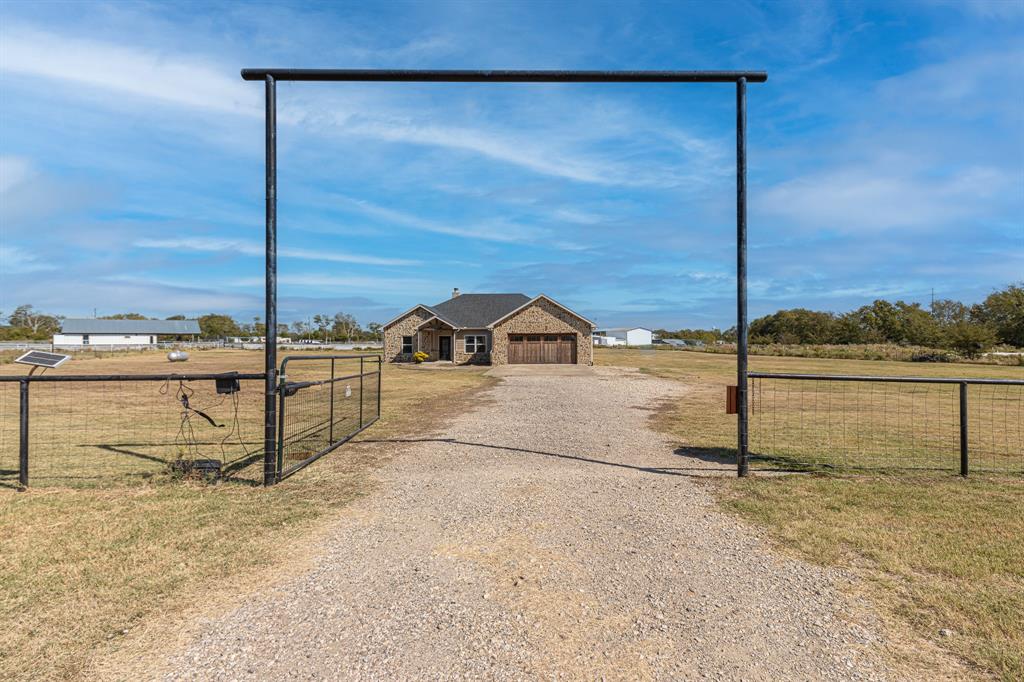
904 380
501 76
134 377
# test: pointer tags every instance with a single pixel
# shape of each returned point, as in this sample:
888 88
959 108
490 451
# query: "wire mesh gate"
114 429
120 429
830 422
325 400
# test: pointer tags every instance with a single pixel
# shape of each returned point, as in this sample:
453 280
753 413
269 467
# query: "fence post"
270 436
279 456
380 374
743 416
330 428
361 370
23 428
964 458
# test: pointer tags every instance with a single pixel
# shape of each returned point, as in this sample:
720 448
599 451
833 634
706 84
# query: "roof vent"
455 292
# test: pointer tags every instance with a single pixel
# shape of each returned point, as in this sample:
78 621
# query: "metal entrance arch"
270 77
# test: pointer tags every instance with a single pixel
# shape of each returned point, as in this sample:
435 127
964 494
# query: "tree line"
946 323
966 329
28 324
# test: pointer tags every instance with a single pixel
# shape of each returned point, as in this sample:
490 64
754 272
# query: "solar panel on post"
39 358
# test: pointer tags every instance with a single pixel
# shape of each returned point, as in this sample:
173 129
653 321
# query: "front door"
444 348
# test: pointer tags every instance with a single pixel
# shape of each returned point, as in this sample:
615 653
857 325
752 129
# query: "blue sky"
886 157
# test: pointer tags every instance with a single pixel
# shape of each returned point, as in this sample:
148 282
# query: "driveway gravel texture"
545 532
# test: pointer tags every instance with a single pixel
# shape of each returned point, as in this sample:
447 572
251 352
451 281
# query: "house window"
476 344
85 339
407 345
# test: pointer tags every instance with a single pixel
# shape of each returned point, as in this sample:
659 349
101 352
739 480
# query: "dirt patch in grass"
83 570
936 553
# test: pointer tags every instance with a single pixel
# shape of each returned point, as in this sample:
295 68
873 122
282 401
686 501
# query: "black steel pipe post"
964 456
23 434
742 458
270 468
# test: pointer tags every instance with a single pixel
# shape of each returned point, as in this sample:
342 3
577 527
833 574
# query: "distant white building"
624 336
93 332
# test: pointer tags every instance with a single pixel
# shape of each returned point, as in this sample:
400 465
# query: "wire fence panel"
93 431
9 430
325 401
877 423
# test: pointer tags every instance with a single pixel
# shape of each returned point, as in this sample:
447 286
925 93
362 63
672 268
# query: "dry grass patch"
935 552
80 568
938 553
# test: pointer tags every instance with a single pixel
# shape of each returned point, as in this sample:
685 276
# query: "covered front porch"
436 338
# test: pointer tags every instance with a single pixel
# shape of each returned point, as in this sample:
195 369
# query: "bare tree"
28 317
345 325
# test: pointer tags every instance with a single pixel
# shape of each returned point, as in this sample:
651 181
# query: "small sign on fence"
732 399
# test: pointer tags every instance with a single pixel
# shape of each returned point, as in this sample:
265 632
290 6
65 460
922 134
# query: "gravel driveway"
547 532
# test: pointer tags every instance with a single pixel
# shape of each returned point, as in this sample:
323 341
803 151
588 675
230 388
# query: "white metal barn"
93 332
624 336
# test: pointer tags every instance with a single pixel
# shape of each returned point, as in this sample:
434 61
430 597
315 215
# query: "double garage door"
538 349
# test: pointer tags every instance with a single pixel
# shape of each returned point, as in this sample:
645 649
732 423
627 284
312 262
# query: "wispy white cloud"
501 231
578 216
29 194
16 260
360 284
992 9
13 171
250 248
183 80
884 196
963 86
206 83
500 147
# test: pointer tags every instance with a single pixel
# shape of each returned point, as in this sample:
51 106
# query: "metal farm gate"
88 430
325 400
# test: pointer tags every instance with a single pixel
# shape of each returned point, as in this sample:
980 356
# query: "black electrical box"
228 384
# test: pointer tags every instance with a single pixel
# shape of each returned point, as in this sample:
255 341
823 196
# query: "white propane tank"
177 356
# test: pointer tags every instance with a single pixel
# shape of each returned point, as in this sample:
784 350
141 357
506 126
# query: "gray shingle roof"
478 310
93 326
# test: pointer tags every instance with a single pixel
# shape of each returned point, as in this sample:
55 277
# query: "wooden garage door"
540 349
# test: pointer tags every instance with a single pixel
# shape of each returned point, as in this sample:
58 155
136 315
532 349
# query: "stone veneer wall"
543 318
406 326
461 357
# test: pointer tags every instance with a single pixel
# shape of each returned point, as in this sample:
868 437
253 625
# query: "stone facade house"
495 329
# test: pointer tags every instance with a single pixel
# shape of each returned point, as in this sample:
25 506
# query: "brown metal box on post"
732 397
